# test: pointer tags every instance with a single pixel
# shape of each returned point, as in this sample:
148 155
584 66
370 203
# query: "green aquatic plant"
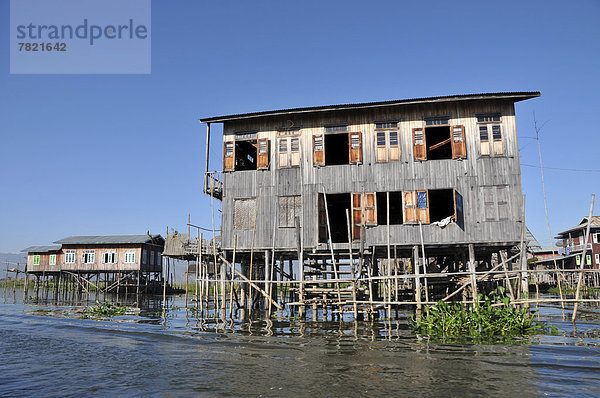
106 309
491 316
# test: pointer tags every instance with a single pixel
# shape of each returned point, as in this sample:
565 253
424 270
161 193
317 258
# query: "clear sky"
123 154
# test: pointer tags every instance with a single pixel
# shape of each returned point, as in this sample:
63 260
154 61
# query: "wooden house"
443 172
572 244
98 254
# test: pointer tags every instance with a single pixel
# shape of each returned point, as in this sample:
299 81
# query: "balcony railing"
213 184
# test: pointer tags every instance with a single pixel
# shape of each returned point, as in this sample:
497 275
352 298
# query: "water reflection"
176 351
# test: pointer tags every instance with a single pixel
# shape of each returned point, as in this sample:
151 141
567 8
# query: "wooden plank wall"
467 176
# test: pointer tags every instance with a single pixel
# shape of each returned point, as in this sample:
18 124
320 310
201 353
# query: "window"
144 256
387 144
495 203
335 129
228 156
290 207
89 256
490 124
69 256
129 256
152 257
597 258
433 205
438 140
337 147
244 214
395 212
596 237
242 154
289 152
36 259
109 257
52 259
158 258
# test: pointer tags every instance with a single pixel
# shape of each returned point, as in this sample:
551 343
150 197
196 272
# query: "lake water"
47 350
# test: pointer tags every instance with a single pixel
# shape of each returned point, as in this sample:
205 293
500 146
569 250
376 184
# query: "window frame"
52 259
36 259
70 256
494 147
88 256
386 152
129 256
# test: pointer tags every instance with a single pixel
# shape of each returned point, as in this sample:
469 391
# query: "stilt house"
442 173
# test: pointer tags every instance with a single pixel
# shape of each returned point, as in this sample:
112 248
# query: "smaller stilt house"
136 257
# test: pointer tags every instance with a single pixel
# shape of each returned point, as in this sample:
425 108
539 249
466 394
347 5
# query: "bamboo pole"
331 246
473 270
424 262
232 278
523 260
537 136
250 282
355 306
583 252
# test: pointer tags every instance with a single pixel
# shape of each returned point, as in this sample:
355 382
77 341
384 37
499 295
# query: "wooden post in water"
302 308
417 280
472 269
355 305
524 275
582 262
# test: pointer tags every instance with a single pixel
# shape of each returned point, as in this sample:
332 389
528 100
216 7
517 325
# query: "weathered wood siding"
468 176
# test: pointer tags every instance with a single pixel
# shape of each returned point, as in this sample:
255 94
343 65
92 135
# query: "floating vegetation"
491 317
107 309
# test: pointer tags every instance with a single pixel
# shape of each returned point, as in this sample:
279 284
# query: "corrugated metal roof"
107 239
41 249
582 225
517 96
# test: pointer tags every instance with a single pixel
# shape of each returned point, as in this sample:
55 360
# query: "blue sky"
123 154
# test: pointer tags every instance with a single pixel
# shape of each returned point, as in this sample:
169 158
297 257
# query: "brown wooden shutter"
419 144
369 209
410 211
263 154
318 150
228 156
355 145
459 150
357 218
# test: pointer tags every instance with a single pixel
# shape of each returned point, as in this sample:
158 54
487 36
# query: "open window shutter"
370 209
410 211
357 218
228 156
355 143
322 219
394 143
318 150
419 143
458 142
283 153
263 154
458 210
423 206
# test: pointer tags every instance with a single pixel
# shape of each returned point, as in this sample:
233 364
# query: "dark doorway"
337 204
441 204
438 143
245 155
336 149
395 208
